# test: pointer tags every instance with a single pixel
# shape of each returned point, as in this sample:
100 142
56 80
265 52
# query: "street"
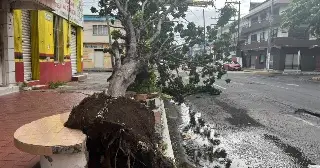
266 120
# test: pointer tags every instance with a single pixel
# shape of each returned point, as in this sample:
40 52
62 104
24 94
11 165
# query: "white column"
7 43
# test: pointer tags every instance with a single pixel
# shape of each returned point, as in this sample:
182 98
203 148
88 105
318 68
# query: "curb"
162 127
98 70
261 72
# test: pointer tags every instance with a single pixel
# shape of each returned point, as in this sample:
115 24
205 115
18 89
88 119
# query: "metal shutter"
73 54
26 45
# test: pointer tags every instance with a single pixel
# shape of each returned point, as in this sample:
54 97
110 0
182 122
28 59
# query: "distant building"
95 40
234 41
291 49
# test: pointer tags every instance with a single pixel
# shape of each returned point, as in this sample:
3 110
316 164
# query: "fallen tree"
150 40
121 130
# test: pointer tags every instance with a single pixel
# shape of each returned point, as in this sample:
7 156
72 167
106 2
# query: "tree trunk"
123 78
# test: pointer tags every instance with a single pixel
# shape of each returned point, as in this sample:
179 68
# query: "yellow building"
47 44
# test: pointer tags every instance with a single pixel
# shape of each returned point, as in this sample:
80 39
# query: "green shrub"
54 85
145 82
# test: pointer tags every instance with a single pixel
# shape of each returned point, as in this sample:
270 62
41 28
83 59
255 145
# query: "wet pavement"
21 108
265 121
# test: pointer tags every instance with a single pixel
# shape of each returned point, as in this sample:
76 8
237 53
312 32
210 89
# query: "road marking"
237 83
260 83
219 86
305 121
292 85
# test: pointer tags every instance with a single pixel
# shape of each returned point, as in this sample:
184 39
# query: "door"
26 44
253 62
291 61
73 50
271 62
318 63
98 59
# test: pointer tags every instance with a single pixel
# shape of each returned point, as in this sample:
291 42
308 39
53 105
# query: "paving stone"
18 109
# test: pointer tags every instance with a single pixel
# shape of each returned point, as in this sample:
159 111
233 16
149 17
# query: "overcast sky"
194 14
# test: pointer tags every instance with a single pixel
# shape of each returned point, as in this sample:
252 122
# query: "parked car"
232 66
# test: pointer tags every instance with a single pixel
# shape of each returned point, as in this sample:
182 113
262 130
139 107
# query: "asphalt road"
266 120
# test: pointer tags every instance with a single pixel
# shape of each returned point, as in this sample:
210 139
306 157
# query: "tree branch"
116 52
121 8
126 6
132 46
143 6
163 16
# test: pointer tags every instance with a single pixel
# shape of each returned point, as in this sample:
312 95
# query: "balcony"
281 42
260 25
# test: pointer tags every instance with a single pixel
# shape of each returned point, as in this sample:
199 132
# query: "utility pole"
238 51
204 35
270 36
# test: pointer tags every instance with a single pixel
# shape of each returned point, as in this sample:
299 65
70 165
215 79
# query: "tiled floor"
18 109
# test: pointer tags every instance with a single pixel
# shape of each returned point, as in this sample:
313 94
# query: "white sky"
194 14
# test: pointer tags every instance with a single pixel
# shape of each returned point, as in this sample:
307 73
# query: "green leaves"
116 34
227 12
302 12
94 10
178 52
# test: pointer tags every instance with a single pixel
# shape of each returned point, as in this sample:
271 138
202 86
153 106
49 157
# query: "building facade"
290 49
42 41
233 41
96 38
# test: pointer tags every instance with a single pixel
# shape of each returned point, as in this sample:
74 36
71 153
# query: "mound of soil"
120 132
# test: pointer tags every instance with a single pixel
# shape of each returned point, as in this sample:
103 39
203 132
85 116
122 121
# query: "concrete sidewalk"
18 109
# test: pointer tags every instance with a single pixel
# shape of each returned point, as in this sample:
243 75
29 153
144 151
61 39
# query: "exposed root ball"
120 132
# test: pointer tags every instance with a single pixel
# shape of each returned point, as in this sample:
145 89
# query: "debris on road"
201 142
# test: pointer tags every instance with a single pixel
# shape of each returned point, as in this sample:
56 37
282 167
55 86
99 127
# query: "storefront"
7 40
48 44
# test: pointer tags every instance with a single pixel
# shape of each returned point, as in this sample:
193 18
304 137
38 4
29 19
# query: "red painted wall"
54 72
19 72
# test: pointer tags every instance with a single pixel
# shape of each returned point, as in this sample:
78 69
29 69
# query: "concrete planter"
161 126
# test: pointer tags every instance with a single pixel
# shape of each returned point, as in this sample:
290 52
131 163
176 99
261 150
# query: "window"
58 38
276 11
254 38
262 36
263 16
100 30
274 33
254 20
262 58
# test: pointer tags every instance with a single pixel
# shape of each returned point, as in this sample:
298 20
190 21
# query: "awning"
33 4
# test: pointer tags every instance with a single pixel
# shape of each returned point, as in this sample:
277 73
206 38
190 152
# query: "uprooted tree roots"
120 133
